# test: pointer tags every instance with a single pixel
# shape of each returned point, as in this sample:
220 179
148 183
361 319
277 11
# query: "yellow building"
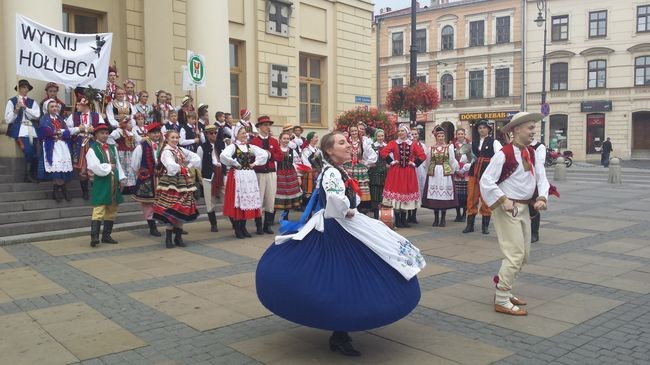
470 51
299 62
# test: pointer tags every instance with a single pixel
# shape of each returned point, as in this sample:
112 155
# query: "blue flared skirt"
41 174
332 281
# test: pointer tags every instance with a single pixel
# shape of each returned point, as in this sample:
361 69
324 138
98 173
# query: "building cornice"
560 54
641 47
596 51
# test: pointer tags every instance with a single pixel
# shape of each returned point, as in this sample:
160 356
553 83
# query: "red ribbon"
525 154
354 185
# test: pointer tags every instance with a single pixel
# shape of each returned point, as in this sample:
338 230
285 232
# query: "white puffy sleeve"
226 156
192 159
120 171
111 116
497 146
306 153
490 191
261 155
70 123
34 112
452 159
540 173
10 116
369 154
136 157
168 160
98 168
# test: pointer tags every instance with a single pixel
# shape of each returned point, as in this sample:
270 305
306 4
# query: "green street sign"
196 68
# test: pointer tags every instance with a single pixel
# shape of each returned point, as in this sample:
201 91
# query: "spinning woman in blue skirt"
340 271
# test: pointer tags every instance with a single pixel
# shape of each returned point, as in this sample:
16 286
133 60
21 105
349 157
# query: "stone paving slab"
25 282
79 245
5 257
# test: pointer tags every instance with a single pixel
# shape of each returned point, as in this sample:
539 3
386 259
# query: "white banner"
71 59
188 85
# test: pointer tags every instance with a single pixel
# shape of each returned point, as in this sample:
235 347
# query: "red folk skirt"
229 209
401 184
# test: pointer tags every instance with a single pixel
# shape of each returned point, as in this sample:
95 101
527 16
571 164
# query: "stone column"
158 46
207 34
46 12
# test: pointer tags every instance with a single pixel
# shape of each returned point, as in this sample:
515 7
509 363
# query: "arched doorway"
450 129
641 132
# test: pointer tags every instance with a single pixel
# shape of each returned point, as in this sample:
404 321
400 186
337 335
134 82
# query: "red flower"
421 97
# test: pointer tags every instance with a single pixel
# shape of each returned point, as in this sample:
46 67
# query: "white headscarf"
46 103
407 129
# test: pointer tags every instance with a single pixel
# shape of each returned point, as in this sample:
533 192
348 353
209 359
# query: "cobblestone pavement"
587 285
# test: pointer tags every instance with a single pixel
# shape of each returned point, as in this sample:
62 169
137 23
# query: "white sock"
502 298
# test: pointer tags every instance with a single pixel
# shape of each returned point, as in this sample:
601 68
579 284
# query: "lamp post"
541 20
414 57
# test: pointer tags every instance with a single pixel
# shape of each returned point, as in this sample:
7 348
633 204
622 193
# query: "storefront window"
558 128
595 132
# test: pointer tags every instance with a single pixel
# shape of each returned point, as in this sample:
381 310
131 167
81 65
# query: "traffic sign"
546 109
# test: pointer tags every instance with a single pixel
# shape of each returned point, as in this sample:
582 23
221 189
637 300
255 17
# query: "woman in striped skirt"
288 195
175 203
362 156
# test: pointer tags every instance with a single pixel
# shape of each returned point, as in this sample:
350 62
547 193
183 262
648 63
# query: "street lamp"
414 58
541 20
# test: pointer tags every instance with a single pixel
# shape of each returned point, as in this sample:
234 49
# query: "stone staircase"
29 213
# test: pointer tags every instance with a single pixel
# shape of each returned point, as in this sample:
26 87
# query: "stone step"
42 186
29 205
5 197
55 213
6 178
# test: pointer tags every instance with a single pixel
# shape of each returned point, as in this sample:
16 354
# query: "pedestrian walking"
508 184
606 150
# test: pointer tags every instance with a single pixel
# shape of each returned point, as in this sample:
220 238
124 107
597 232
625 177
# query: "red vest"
511 163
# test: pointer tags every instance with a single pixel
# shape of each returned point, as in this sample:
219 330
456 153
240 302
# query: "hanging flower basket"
421 97
371 117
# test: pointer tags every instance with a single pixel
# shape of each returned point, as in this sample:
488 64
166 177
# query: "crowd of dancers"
167 157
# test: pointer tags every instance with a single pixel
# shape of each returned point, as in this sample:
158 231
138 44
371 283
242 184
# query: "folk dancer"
51 92
130 94
483 147
325 273
125 140
172 123
191 135
245 121
20 112
288 193
463 155
421 173
362 157
186 107
55 162
267 177
144 159
119 109
401 190
242 193
81 125
175 203
312 157
439 186
140 126
377 173
507 185
163 107
108 180
144 108
111 85
211 173
204 117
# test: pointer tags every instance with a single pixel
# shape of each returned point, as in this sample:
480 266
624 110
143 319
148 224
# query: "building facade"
299 62
470 50
597 75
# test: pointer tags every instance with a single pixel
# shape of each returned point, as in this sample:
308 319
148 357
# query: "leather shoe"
501 309
517 301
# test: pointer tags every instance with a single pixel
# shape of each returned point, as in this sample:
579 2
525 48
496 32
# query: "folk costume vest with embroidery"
245 159
106 189
511 164
439 158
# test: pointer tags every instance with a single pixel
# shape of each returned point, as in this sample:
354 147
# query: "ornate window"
447 38
447 87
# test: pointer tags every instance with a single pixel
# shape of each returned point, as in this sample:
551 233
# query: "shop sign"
596 106
486 115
